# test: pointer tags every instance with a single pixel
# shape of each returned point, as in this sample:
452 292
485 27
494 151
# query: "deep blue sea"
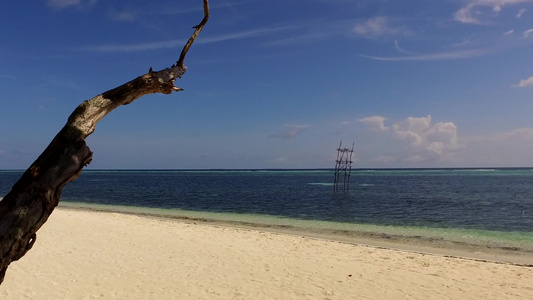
489 202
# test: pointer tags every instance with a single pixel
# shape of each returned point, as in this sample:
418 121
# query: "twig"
197 30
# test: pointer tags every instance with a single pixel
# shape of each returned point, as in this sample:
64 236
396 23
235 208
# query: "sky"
275 83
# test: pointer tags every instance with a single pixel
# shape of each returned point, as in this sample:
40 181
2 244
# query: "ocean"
487 207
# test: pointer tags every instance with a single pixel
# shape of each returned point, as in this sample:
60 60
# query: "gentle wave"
497 200
509 241
474 170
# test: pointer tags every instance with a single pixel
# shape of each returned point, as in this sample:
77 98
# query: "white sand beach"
101 255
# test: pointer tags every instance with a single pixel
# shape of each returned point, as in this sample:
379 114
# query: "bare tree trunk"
33 198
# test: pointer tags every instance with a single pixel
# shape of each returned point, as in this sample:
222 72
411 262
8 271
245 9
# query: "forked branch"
35 195
197 30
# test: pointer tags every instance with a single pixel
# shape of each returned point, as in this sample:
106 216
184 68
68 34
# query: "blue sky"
276 83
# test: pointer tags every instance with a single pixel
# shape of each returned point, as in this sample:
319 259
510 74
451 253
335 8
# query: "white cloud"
434 56
374 123
245 34
278 160
401 50
375 26
464 15
413 124
424 141
525 83
522 134
61 4
521 13
464 43
526 33
509 32
134 47
292 132
442 137
472 12
505 148
421 142
174 43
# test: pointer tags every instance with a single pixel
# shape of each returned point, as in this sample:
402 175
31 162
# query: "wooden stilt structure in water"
343 166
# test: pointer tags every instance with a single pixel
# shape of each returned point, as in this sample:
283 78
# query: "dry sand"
97 255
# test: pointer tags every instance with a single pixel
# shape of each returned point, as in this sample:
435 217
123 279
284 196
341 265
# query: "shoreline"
88 254
417 244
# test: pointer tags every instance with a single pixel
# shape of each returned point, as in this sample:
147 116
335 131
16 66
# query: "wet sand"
82 254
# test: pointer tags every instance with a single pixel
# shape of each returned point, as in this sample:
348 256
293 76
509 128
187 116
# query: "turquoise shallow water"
484 240
487 207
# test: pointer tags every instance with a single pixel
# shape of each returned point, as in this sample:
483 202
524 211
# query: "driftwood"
33 198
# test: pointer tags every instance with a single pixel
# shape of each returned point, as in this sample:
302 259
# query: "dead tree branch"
35 195
197 30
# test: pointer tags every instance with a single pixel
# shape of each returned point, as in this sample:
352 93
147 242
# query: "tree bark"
35 195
